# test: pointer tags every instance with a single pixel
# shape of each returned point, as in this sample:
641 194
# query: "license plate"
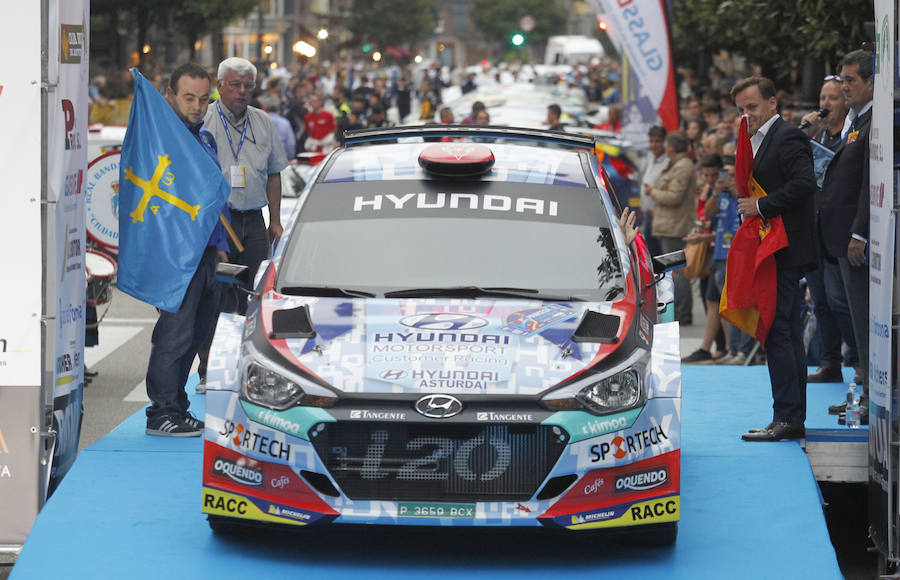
436 510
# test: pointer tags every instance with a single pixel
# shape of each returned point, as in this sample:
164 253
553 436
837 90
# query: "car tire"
225 526
653 536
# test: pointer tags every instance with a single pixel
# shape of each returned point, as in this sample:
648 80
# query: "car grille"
449 462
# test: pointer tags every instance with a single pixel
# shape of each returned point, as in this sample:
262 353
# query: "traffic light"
602 24
518 39
366 47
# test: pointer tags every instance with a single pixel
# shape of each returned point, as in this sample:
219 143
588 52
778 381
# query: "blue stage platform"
130 508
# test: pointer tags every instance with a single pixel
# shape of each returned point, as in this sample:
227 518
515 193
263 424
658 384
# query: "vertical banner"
640 31
20 293
882 456
65 244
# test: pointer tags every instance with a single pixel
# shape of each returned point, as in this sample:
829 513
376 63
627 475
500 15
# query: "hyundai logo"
439 406
392 375
443 321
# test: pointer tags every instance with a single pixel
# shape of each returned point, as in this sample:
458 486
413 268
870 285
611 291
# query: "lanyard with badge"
238 173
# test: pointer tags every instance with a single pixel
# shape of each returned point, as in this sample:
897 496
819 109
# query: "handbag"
697 260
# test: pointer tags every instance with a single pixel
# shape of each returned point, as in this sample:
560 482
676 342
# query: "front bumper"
570 470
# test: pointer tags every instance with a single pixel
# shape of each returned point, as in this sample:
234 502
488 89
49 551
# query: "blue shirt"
726 222
218 237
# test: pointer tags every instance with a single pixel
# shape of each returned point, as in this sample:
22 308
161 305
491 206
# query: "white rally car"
452 332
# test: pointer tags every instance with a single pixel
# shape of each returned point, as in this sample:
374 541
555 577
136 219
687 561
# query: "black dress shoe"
827 374
766 428
90 374
837 409
779 430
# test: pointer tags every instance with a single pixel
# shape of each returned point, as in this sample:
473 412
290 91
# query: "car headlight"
610 390
614 393
269 388
275 389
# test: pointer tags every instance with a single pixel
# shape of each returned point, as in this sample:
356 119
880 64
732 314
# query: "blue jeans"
856 284
177 337
833 323
840 307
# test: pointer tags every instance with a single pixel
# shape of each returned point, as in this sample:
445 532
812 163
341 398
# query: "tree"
777 36
393 22
499 19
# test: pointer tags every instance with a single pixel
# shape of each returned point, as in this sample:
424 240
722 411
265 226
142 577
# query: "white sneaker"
725 360
738 359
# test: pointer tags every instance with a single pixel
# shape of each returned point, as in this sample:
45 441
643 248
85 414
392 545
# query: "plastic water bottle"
852 414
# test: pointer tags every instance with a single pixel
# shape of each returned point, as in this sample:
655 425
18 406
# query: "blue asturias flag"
170 196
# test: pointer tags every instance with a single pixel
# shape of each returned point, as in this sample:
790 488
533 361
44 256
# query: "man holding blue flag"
172 193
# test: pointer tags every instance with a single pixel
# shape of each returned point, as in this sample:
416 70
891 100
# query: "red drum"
100 269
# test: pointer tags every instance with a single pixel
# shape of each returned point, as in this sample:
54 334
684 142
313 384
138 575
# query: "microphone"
822 113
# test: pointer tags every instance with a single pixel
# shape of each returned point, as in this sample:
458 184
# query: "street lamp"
376 56
323 34
268 49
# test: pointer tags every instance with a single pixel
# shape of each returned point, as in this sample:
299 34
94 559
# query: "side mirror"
232 273
666 262
671 261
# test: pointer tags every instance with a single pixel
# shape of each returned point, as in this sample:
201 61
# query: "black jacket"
845 191
783 166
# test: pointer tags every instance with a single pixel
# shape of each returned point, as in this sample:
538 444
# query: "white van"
572 49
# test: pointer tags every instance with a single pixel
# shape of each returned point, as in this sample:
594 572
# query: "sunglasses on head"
832 78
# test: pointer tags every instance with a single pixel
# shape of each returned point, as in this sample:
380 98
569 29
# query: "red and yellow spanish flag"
750 291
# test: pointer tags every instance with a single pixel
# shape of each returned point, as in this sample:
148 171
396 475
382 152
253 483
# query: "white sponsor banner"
66 175
881 200
20 220
882 226
20 291
640 31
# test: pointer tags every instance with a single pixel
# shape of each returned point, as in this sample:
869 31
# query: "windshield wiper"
475 291
325 291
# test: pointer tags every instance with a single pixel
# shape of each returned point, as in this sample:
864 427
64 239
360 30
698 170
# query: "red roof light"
456 159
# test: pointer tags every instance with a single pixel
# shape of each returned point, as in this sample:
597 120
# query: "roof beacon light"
456 159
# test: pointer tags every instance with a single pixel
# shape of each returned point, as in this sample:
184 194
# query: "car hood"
415 346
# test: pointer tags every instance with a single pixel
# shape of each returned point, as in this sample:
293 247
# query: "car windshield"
487 238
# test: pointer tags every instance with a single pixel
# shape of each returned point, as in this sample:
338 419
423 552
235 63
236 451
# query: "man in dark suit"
845 205
783 167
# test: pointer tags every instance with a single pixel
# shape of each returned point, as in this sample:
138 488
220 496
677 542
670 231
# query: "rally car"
453 331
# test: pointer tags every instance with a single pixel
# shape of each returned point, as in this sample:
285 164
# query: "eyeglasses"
239 84
832 78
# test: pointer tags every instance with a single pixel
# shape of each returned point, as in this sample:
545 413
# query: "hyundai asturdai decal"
415 354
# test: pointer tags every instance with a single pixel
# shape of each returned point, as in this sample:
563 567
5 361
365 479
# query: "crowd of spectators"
361 95
314 104
710 121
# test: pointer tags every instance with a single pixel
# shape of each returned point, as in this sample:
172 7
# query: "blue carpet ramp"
130 508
